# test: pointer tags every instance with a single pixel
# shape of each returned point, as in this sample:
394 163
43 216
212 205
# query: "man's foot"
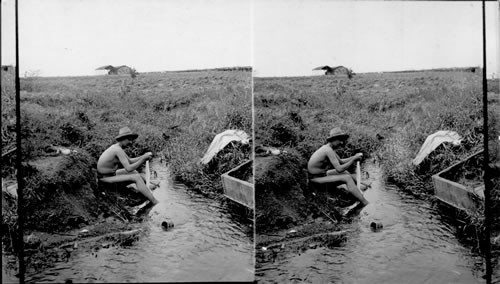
144 208
140 208
353 208
348 209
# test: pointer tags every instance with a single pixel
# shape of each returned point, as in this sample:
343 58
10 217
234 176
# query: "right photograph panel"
369 141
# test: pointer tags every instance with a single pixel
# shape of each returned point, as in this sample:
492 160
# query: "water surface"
414 246
206 244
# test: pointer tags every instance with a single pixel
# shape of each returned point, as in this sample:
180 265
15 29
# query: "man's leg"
343 178
364 186
124 172
135 178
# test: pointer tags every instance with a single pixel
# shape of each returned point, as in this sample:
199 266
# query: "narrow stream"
206 244
414 246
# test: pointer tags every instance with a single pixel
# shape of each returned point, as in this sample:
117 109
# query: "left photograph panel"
136 128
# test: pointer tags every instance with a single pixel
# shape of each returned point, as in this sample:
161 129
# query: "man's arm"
353 158
133 160
334 160
343 161
125 160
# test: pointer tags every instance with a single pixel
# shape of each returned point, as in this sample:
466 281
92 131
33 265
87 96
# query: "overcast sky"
74 37
293 36
277 37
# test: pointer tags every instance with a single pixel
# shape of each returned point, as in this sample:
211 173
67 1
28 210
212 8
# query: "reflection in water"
206 244
414 246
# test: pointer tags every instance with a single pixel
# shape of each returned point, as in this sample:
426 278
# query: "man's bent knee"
136 177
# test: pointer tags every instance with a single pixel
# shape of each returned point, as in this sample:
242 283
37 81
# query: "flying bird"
331 70
111 69
123 69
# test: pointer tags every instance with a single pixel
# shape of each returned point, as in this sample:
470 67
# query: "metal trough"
464 197
236 189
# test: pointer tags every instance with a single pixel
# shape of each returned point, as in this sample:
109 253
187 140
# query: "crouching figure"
108 166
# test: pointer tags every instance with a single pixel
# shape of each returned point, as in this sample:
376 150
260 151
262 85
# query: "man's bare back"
321 159
109 162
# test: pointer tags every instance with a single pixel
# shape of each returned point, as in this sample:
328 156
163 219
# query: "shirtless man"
325 156
111 158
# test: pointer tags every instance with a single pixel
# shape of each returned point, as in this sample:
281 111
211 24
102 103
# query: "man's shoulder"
115 149
326 148
328 151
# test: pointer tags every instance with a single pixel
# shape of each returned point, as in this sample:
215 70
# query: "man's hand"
148 156
358 156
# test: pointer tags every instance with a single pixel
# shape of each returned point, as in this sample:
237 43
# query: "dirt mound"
279 197
59 192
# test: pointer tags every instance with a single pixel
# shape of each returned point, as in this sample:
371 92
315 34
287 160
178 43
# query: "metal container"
456 194
239 191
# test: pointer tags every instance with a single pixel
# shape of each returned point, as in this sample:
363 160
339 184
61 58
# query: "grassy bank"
388 116
177 114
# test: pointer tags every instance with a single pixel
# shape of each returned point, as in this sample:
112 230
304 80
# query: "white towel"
221 140
433 141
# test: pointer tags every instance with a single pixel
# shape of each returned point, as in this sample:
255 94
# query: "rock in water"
376 226
167 225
